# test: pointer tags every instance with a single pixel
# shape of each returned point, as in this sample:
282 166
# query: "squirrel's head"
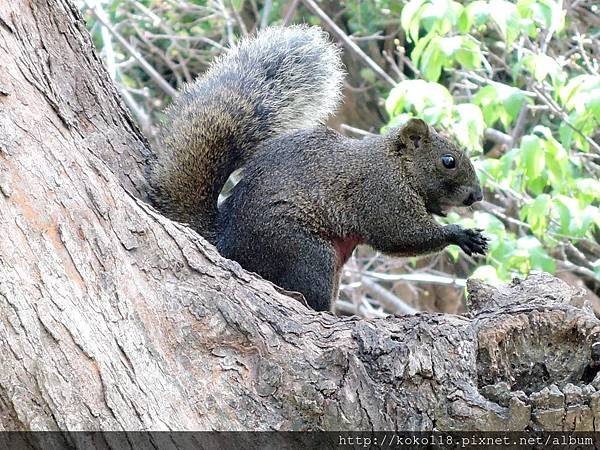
443 173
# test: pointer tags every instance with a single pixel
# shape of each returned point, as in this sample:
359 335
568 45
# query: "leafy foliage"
486 65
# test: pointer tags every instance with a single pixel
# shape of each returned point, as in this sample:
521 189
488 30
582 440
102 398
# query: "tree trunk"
113 317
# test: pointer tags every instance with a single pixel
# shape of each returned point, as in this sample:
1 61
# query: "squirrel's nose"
474 196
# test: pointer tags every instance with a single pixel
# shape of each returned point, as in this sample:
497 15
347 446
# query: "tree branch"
339 33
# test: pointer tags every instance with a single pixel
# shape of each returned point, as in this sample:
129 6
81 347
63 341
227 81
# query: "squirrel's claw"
473 242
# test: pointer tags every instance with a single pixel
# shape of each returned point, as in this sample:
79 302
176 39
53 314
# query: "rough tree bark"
112 317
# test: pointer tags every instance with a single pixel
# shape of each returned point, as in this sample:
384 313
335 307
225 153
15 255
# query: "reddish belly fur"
344 248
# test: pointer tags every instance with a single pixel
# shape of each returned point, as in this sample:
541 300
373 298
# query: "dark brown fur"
308 197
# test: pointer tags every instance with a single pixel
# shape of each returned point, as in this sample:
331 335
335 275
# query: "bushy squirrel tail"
283 79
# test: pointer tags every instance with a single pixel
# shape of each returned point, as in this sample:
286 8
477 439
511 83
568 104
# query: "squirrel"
308 195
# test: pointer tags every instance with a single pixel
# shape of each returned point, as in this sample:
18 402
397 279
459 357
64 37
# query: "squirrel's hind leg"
310 268
288 255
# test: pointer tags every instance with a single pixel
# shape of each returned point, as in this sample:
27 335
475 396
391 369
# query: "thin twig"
314 8
520 124
264 19
291 11
564 116
355 130
389 300
160 81
498 137
417 278
394 66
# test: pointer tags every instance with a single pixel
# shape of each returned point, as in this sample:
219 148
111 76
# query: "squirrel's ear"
414 132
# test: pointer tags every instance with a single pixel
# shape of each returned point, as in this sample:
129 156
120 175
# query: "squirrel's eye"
448 161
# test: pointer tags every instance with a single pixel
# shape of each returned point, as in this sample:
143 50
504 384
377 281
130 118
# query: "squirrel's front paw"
472 241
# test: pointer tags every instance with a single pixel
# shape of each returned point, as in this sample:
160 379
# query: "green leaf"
237 4
469 55
592 103
566 134
490 223
508 161
394 103
462 49
550 14
454 252
524 7
575 220
469 125
432 101
486 98
441 15
479 11
578 89
368 75
410 18
422 44
499 101
535 255
541 65
557 161
465 21
588 189
533 156
512 100
562 205
504 14
493 167
589 217
502 250
537 213
432 61
556 158
450 45
540 260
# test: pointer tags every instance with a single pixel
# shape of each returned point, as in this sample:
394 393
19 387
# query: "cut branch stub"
535 352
